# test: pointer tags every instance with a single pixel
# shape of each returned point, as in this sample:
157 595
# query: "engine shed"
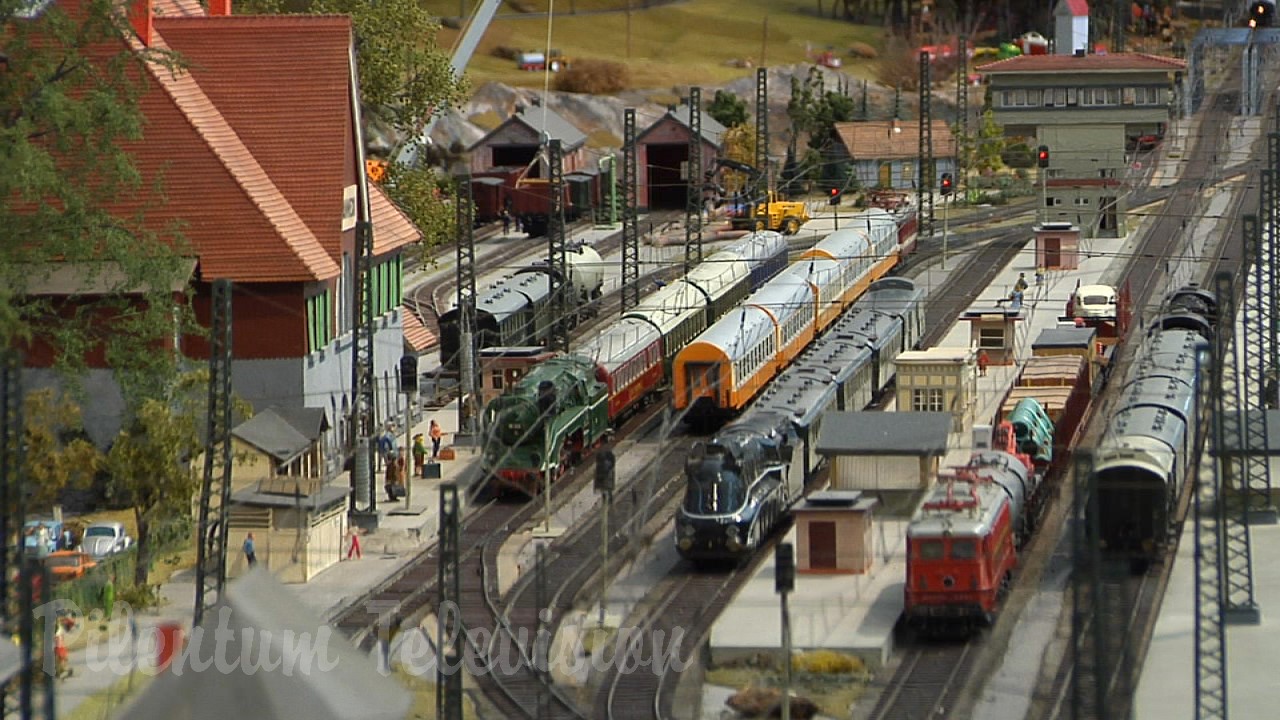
875 451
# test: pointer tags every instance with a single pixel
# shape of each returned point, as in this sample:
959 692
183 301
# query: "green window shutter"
327 322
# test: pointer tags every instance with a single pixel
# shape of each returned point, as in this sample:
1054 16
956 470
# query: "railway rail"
1132 603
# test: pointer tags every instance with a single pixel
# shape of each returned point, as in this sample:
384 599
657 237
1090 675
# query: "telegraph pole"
925 169
556 259
465 277
448 609
630 222
693 204
762 124
962 115
215 490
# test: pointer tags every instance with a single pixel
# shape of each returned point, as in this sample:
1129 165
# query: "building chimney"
219 8
141 20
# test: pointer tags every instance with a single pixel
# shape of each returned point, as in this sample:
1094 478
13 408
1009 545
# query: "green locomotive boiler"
543 424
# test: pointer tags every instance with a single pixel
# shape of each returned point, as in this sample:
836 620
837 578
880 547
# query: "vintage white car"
105 538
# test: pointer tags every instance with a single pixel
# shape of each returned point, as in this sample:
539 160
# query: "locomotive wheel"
792 227
759 226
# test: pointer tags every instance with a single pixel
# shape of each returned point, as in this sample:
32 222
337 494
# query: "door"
822 545
703 379
1052 252
886 175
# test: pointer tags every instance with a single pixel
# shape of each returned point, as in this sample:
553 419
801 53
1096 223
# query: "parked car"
69 564
101 539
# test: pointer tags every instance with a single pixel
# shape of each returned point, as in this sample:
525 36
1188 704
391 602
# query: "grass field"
692 42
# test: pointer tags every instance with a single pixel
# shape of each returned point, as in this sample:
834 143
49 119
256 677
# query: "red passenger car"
628 359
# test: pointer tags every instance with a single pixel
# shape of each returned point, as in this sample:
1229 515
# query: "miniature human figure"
419 456
250 552
984 361
1022 282
1039 275
1015 300
62 668
506 223
109 595
436 435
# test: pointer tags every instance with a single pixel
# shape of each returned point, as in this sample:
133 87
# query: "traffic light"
409 374
605 463
835 197
1042 156
946 186
784 573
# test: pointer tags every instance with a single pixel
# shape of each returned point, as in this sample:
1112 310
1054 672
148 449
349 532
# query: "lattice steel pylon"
1270 274
215 490
693 200
1254 356
1088 627
556 250
1239 604
630 215
363 379
762 126
1211 636
962 114
465 278
448 611
924 180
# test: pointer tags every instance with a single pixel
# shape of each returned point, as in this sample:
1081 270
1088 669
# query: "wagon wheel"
759 226
792 227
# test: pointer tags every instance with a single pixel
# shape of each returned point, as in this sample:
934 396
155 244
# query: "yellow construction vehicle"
784 216
761 213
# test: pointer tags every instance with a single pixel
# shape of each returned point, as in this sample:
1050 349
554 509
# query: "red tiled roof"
416 335
252 68
1091 63
1078 8
876 140
391 229
236 219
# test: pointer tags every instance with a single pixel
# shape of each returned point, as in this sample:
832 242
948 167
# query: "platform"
853 614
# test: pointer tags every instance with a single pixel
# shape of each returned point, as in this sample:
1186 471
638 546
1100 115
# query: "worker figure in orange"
984 361
436 434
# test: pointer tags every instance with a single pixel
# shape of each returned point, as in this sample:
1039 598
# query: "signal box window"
926 400
963 550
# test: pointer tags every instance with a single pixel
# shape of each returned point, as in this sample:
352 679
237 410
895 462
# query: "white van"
1094 301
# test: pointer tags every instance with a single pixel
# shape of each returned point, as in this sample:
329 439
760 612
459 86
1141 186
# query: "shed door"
1053 252
822 545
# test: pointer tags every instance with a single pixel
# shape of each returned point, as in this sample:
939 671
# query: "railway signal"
835 197
784 581
1042 156
946 185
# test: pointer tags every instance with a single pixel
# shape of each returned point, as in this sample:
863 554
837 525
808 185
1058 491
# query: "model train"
745 479
1141 462
963 541
623 367
518 310
717 374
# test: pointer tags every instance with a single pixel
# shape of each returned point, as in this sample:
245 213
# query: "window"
963 550
1072 97
1035 97
991 338
929 549
319 322
1081 201
1059 97
926 400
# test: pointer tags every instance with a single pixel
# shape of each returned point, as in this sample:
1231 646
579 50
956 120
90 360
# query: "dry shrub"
827 662
863 50
505 52
594 77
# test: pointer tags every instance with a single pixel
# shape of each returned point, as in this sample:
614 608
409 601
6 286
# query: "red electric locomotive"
962 543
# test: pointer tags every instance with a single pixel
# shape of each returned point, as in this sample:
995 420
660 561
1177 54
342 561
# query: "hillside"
680 43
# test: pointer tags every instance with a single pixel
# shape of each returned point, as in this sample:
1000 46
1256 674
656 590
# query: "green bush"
827 662
86 592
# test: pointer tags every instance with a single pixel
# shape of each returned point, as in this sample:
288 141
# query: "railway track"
1129 605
